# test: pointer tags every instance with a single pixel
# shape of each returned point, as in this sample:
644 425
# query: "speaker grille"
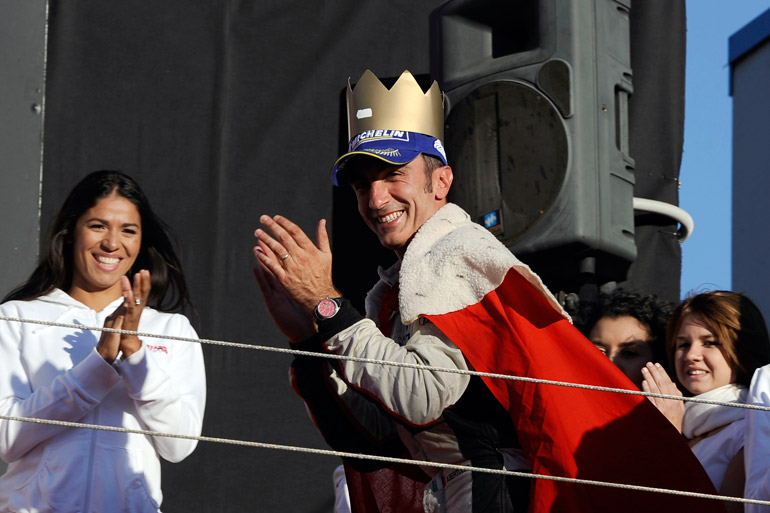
509 147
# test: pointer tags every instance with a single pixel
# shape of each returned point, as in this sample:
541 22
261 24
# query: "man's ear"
442 181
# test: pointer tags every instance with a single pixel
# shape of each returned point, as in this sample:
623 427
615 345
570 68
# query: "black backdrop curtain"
656 134
227 109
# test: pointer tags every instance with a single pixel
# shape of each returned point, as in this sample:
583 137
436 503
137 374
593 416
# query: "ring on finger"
137 301
284 257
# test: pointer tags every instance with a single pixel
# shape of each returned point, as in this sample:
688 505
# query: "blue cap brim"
392 146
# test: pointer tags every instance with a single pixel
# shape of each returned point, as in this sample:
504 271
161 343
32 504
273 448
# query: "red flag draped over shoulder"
570 432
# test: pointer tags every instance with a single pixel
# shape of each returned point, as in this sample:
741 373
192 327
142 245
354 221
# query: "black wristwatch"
327 308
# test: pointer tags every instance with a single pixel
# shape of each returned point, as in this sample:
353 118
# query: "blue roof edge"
746 39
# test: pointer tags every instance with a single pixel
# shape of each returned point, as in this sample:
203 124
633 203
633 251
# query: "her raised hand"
109 343
135 299
657 381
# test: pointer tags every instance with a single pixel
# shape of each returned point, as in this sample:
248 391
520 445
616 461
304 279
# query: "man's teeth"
107 260
390 217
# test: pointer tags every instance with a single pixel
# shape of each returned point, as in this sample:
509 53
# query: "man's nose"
378 194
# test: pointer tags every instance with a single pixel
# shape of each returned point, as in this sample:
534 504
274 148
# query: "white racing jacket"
55 373
439 416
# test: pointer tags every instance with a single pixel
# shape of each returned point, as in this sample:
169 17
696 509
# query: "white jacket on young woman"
757 453
721 427
55 373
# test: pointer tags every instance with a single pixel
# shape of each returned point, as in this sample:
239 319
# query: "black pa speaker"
537 129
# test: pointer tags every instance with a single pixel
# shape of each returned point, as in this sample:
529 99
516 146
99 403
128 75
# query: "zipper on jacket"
91 452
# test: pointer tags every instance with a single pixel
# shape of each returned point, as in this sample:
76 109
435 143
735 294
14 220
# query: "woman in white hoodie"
715 341
109 262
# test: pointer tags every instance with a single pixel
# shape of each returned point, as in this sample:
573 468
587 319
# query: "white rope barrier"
297 352
388 459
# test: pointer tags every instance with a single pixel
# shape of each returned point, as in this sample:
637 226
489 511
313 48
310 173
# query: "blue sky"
706 172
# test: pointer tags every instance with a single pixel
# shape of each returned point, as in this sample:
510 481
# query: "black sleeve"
310 377
345 318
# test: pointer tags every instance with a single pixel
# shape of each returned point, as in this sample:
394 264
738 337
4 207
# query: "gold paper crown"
371 106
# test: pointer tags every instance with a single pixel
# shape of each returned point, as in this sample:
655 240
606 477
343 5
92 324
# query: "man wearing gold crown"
456 299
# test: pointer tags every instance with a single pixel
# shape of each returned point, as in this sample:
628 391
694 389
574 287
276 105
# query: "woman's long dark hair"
157 255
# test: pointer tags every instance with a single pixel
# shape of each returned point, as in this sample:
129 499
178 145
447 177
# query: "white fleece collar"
452 263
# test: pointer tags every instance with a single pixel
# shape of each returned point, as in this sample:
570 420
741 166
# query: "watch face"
326 308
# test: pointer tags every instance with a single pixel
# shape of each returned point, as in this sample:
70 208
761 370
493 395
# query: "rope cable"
359 359
388 459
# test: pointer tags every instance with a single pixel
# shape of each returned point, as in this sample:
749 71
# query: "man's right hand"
302 268
290 317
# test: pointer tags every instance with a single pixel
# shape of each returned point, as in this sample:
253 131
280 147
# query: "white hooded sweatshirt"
55 373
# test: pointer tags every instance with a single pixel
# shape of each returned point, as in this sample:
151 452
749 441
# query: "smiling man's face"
395 201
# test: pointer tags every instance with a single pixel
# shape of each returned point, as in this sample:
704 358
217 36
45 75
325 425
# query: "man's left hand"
287 315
